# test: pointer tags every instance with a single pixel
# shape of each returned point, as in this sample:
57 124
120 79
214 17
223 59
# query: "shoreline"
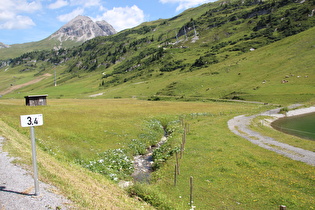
239 125
301 111
292 113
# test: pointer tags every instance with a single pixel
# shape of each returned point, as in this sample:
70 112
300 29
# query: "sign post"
31 121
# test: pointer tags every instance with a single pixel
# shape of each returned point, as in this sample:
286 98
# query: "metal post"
34 160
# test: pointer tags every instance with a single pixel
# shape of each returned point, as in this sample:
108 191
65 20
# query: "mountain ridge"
82 28
73 33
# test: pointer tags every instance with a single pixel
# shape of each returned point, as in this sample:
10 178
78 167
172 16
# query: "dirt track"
15 87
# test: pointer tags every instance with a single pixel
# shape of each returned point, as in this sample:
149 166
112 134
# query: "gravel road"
240 126
17 188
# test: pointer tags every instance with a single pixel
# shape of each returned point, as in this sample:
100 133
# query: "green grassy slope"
256 75
46 44
203 53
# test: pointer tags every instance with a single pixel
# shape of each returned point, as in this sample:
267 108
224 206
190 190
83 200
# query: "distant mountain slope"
74 33
206 35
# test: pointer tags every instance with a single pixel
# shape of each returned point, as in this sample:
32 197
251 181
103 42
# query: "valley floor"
16 184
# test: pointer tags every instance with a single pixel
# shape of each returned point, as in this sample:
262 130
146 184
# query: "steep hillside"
16 50
248 50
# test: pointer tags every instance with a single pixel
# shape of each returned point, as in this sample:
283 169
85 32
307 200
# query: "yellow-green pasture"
75 128
229 172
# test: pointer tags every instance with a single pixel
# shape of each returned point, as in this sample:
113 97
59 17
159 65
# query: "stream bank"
143 166
143 163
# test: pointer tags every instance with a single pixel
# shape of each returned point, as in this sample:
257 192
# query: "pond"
302 126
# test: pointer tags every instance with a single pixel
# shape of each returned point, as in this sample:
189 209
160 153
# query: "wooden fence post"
181 150
282 207
175 175
177 163
185 135
191 192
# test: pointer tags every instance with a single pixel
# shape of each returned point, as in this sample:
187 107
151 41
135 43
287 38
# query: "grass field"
91 126
87 190
82 136
229 172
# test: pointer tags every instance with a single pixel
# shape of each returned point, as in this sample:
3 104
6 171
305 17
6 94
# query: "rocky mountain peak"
2 45
83 28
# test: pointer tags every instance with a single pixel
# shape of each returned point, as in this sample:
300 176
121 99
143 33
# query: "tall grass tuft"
151 195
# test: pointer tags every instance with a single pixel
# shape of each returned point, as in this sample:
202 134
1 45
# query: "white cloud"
29 7
18 22
58 4
6 15
185 4
85 3
80 4
123 17
71 15
11 13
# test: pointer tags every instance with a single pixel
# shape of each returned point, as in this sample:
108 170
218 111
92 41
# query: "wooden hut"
37 100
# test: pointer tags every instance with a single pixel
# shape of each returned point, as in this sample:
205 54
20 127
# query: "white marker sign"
31 120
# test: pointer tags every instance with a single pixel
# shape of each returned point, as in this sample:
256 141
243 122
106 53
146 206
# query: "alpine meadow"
111 99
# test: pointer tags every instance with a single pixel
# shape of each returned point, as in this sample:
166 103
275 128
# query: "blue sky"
24 21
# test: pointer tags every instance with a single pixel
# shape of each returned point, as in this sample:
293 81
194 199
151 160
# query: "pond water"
302 126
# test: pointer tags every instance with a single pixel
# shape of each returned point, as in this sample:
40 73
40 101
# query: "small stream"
143 163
